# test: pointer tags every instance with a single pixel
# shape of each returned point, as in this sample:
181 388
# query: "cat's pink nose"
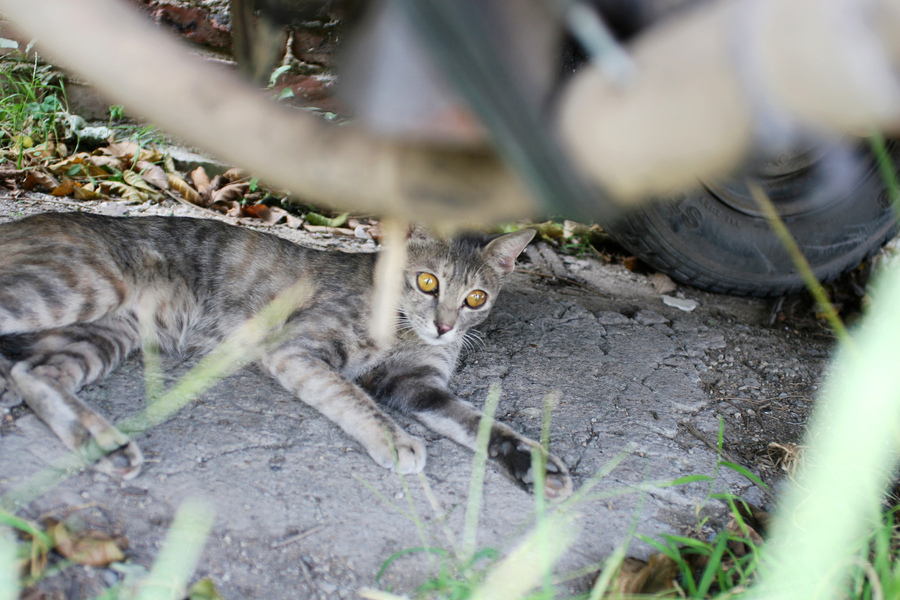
443 328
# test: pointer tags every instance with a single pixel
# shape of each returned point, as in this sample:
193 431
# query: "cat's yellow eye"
475 299
427 282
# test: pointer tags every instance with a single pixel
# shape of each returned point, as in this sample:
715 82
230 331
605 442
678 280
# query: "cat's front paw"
399 452
514 455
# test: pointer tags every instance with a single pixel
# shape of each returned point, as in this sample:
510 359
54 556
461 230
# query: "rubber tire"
699 239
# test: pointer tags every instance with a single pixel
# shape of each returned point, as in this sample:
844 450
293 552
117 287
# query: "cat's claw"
122 463
514 454
557 481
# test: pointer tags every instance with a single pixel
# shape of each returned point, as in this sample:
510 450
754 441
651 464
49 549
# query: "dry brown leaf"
39 179
201 183
787 456
126 149
153 174
231 192
111 162
235 173
150 154
257 211
639 577
230 207
632 263
181 186
134 179
331 230
277 215
82 160
217 183
127 192
86 192
89 547
662 283
739 548
66 188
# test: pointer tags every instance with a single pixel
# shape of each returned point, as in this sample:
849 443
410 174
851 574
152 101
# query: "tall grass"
31 96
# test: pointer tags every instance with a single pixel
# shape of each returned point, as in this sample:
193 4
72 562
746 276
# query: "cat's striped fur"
77 291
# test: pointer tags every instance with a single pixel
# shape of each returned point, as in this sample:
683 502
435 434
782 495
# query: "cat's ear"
417 232
501 252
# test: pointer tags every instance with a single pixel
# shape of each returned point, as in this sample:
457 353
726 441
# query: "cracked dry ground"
302 512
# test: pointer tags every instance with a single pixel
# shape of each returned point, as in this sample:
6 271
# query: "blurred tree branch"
131 62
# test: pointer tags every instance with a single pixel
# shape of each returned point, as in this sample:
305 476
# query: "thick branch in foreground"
133 63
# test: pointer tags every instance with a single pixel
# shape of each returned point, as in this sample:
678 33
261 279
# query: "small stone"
648 317
684 304
608 317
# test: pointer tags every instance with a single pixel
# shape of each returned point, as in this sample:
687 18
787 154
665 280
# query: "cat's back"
205 255
143 244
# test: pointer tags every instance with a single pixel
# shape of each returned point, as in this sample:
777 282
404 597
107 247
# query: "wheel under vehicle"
715 237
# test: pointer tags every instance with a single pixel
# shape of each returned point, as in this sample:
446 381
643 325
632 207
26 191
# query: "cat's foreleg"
458 421
425 398
347 405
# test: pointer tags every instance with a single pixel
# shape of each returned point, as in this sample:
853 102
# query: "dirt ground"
302 512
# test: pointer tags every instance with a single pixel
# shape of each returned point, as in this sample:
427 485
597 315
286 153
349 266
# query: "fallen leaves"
139 173
87 547
665 575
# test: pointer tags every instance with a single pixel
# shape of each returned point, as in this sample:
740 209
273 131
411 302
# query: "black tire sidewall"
697 239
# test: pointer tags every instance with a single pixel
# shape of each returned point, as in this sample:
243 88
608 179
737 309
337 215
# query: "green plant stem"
476 482
806 272
886 169
176 561
9 572
851 458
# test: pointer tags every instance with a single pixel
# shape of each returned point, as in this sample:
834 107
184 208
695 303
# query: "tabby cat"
79 291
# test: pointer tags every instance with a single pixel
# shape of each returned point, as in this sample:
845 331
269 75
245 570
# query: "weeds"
32 97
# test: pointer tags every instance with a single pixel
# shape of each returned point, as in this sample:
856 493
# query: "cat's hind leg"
56 364
9 392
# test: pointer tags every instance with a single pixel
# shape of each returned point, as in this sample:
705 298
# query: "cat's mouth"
432 337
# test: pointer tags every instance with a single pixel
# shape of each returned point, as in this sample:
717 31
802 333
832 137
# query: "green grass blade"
787 240
886 169
745 472
176 561
400 553
523 568
476 482
713 567
9 571
851 455
28 527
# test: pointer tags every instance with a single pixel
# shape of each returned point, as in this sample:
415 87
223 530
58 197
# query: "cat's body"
78 292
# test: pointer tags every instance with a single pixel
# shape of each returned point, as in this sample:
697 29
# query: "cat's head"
450 285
